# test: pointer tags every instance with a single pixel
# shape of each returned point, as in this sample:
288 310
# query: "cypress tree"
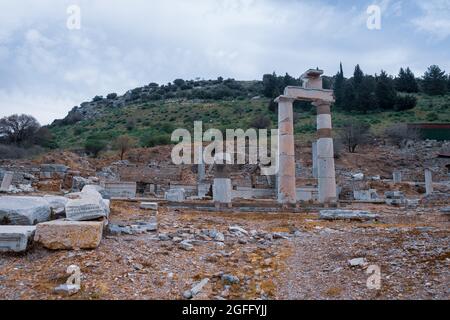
339 84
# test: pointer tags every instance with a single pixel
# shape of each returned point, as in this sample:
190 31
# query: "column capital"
284 99
319 102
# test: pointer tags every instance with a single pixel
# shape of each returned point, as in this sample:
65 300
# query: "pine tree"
385 92
448 86
366 100
406 81
434 81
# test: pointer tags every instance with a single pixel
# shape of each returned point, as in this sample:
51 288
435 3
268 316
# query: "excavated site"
73 227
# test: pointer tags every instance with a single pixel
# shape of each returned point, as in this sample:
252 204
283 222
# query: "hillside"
151 113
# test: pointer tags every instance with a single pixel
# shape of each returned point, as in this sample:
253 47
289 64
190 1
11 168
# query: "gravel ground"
283 256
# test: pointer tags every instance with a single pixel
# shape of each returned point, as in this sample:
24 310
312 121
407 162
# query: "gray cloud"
46 69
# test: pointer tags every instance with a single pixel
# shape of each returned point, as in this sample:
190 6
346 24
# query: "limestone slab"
24 211
65 234
15 238
347 215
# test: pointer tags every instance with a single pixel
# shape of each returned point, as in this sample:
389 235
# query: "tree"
339 84
406 81
354 133
124 143
407 102
358 76
435 81
93 146
111 96
45 138
365 95
261 122
17 129
385 92
270 83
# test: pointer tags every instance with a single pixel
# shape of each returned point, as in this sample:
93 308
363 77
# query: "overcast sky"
46 69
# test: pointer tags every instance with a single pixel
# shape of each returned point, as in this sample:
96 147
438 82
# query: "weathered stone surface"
87 205
121 189
6 181
175 195
57 203
65 234
365 195
196 289
222 190
15 238
357 262
149 206
347 215
67 289
237 229
23 210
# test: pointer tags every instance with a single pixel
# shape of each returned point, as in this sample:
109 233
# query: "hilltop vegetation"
147 116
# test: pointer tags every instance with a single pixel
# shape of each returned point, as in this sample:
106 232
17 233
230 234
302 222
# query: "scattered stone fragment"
357 262
347 215
189 294
87 205
6 182
65 234
230 279
164 237
237 230
15 238
23 210
175 195
185 245
149 206
67 289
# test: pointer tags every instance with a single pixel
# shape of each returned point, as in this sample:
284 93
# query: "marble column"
6 182
286 152
429 181
325 153
314 160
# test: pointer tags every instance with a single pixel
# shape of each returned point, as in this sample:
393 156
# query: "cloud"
125 44
435 18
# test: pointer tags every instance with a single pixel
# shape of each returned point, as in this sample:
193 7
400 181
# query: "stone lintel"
309 94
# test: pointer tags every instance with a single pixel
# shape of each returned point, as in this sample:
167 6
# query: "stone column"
314 159
222 185
201 165
286 151
429 181
325 153
397 177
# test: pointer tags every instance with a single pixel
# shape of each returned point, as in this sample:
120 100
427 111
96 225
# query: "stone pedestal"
325 154
222 190
286 151
429 181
